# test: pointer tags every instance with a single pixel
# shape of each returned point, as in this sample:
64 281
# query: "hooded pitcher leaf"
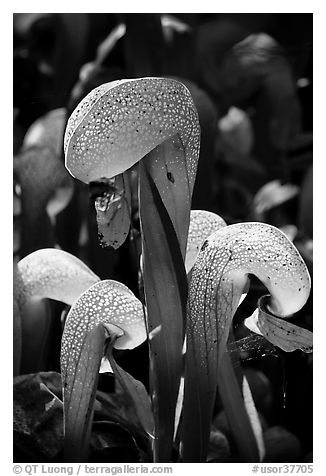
219 278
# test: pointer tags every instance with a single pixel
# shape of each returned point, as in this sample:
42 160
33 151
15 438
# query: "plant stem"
232 399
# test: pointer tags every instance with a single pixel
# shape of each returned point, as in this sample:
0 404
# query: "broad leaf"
165 286
279 332
167 165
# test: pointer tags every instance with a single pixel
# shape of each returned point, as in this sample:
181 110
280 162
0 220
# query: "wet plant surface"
163 247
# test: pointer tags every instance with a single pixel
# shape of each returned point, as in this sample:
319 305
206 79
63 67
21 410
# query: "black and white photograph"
162 242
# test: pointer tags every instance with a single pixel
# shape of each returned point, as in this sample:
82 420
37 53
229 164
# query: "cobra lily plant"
152 124
98 309
113 128
219 279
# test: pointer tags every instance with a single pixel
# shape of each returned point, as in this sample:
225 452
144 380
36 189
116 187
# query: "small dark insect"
170 177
